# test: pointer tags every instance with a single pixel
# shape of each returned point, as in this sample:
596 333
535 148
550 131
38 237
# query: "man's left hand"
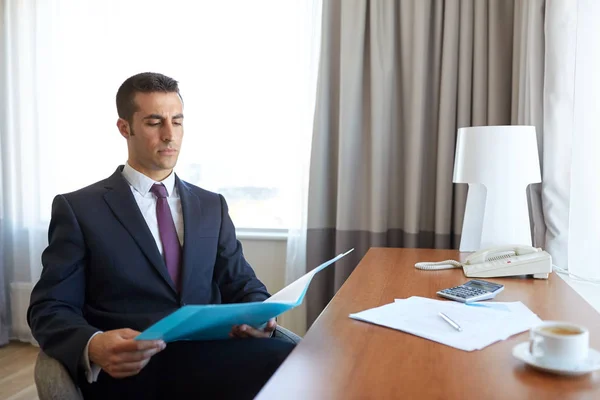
246 331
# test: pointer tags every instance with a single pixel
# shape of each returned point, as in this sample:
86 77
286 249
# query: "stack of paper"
482 323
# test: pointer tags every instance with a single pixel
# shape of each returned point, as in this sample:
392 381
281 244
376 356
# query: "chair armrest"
285 334
52 380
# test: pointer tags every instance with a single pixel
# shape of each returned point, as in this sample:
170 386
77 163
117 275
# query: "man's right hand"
119 355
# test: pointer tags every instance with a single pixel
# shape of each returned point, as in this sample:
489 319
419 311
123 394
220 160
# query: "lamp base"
495 217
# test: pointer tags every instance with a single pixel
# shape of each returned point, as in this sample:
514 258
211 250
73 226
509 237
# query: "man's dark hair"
146 82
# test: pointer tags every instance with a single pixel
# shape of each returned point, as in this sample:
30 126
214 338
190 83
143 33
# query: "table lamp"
498 163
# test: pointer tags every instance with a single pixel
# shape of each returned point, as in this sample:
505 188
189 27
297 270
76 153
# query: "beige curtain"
397 78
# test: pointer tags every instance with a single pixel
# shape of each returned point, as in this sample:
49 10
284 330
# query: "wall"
267 257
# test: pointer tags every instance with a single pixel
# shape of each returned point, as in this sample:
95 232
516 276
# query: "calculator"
474 290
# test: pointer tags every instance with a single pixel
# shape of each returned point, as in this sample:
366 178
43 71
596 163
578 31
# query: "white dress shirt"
140 186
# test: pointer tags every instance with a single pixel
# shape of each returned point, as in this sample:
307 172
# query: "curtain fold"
3 269
396 81
528 94
571 192
295 267
22 234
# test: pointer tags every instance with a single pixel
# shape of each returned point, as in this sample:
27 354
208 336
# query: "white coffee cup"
559 344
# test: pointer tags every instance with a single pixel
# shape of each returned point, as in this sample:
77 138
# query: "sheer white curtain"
295 267
244 69
22 151
571 135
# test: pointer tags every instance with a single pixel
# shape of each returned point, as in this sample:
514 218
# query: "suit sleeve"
236 279
55 312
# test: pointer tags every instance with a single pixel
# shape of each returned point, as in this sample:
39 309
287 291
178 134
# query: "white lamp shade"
498 162
500 154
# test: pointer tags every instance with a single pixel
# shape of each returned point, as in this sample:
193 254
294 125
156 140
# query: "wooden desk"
341 358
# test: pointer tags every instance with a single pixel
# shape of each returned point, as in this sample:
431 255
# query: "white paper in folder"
482 323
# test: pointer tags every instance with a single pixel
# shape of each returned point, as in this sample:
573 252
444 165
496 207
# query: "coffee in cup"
561 330
559 344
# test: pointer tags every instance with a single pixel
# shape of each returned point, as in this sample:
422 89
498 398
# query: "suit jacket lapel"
192 226
122 203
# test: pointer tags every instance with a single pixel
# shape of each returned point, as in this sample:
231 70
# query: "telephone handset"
499 261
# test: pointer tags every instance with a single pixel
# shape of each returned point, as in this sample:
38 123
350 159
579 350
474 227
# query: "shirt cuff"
91 370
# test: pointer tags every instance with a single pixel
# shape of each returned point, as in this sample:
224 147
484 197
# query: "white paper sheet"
482 324
295 291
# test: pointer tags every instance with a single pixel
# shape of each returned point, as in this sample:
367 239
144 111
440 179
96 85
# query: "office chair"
53 382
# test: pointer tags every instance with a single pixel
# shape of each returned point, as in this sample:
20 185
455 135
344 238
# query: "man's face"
155 134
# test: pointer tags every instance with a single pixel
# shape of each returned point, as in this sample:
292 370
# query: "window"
246 73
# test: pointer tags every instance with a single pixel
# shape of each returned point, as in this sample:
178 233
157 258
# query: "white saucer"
590 364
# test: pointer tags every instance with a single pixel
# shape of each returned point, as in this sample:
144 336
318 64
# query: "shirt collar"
142 184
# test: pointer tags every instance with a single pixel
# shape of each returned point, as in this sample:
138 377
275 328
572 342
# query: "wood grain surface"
341 358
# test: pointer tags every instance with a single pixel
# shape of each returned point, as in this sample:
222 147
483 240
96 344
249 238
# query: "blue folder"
214 321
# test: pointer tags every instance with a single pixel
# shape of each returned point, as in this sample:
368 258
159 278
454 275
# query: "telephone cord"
435 266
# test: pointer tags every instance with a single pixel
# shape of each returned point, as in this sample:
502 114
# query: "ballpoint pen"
452 323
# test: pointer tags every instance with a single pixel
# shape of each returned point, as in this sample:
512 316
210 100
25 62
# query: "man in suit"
127 251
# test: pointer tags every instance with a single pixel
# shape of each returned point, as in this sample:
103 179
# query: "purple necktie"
168 233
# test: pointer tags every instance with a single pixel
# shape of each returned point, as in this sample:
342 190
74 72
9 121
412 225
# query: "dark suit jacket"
102 269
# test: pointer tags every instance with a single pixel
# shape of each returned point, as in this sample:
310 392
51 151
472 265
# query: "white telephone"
499 261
